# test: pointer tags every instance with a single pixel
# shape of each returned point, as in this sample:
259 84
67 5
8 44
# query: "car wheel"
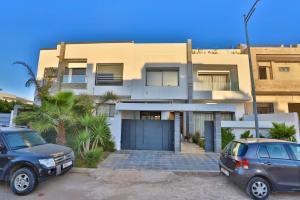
258 188
23 181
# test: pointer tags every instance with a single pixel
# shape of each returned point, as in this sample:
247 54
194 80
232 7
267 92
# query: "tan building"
277 79
12 97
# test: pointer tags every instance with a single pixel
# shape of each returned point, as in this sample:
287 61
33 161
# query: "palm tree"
54 113
42 90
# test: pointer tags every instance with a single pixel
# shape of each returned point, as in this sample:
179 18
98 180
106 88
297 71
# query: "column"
217 131
177 142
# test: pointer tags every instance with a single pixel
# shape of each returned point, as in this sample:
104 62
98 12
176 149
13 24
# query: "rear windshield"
237 149
19 140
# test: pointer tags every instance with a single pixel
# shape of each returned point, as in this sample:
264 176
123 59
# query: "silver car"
262 166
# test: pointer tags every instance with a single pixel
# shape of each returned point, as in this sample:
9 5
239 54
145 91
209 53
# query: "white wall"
265 124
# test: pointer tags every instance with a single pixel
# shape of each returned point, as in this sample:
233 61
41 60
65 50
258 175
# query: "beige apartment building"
277 79
166 90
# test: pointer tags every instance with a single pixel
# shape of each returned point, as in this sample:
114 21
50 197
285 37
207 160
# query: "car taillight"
242 163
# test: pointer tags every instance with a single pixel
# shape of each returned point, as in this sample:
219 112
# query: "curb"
177 172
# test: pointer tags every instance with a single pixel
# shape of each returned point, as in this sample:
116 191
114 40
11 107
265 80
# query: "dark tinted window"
263 73
296 150
19 140
277 151
237 149
262 152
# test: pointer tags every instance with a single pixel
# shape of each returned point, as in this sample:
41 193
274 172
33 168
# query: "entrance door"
147 134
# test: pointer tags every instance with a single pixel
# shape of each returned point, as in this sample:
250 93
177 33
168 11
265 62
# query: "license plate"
224 171
67 164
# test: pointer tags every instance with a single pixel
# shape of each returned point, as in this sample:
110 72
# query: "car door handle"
267 163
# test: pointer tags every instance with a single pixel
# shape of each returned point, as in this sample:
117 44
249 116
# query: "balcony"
74 82
108 79
74 79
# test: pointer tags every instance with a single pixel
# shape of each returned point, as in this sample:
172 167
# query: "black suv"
26 159
261 166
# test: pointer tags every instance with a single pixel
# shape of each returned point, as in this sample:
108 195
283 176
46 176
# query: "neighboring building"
277 79
12 97
166 89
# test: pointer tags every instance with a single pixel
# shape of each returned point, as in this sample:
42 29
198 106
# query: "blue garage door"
147 135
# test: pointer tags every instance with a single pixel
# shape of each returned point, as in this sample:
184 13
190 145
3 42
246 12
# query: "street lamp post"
246 20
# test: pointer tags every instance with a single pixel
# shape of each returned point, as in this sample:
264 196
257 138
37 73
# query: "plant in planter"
93 139
246 134
227 136
283 132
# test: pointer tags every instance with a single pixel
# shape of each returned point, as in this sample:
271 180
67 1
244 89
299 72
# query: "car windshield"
25 139
237 149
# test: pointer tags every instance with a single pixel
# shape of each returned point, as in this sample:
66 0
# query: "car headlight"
47 162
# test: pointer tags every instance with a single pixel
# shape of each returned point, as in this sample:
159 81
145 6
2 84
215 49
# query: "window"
74 75
277 151
163 77
263 73
263 153
237 149
265 108
296 150
106 109
208 82
150 115
284 69
109 74
19 140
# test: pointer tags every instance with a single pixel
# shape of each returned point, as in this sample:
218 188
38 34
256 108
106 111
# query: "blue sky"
27 26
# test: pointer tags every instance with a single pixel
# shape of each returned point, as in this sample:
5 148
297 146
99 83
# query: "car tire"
258 188
23 181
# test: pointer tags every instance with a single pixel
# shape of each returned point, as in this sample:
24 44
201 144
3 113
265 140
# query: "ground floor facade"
162 126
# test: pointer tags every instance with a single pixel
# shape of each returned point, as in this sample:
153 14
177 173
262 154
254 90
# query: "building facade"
167 91
277 79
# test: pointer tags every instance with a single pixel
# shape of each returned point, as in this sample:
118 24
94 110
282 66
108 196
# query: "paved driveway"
105 184
161 160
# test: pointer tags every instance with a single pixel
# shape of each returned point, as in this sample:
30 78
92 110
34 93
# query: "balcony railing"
102 79
74 79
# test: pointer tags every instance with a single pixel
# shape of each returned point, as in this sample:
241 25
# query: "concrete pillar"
189 118
177 142
217 131
116 129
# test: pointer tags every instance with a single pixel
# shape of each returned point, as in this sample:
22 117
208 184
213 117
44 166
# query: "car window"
262 152
237 149
277 151
19 140
296 150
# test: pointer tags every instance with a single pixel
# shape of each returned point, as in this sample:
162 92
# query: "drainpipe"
189 115
61 66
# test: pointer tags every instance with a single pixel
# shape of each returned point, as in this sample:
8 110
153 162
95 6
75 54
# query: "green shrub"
196 138
202 143
93 157
246 134
283 132
227 136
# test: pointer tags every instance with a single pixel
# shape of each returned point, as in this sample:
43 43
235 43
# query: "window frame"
284 69
259 72
109 82
152 117
162 70
270 103
290 157
70 75
110 114
211 74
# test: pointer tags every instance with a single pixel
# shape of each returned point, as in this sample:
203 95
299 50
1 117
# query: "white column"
177 145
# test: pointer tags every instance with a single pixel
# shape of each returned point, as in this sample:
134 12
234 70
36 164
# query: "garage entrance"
147 135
